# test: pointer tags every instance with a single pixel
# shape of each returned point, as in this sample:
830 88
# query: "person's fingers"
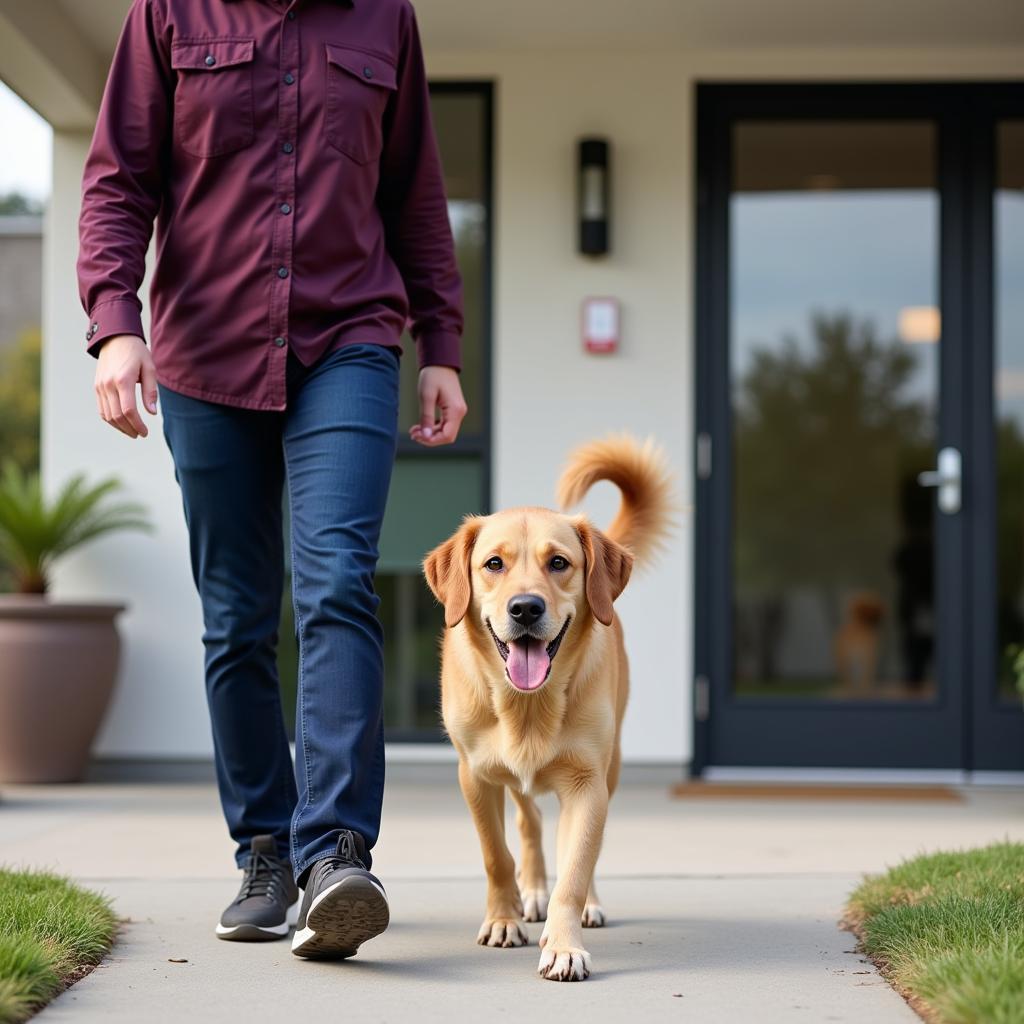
100 401
453 412
446 432
149 392
416 433
428 410
443 433
129 407
117 417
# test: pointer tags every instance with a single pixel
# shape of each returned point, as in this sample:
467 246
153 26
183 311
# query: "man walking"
285 150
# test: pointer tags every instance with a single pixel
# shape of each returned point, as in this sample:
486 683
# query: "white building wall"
160 706
548 395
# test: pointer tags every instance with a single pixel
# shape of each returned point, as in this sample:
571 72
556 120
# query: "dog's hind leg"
533 882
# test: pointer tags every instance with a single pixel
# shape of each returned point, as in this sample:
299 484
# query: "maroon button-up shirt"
286 151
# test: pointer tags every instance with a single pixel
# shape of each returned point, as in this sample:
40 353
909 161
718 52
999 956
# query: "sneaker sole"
341 918
259 933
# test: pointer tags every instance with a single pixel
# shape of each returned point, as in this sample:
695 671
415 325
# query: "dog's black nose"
526 609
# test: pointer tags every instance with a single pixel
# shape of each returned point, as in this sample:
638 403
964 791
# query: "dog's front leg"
486 802
584 808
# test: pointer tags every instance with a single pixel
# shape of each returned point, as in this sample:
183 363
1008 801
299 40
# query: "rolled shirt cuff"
116 316
439 348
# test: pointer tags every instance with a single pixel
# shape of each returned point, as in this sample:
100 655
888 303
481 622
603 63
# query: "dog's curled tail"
641 473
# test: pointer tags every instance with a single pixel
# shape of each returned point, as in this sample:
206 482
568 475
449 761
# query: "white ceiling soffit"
453 25
717 24
44 59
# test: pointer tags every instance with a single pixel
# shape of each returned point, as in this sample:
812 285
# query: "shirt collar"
346 3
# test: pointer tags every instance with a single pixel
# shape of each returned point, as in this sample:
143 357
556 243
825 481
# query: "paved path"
720 911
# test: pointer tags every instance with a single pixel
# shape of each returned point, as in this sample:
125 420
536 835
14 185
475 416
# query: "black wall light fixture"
594 194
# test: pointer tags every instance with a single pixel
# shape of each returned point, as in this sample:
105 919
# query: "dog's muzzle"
527 658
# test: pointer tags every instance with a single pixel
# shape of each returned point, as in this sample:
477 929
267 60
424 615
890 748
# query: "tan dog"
534 683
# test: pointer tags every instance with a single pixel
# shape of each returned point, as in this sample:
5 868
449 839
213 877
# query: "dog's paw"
535 904
564 964
501 933
593 916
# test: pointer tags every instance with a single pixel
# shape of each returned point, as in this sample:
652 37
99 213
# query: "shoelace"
263 876
347 856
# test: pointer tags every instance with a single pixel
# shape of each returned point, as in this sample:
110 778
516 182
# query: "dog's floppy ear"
608 567
447 571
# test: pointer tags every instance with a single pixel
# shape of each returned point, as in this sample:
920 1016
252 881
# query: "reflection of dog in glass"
857 641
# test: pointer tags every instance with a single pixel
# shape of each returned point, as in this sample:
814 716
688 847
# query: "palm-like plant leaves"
33 532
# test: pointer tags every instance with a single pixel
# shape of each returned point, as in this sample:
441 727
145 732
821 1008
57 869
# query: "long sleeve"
122 182
412 202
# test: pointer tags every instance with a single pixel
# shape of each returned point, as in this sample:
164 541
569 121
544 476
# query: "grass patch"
51 932
947 929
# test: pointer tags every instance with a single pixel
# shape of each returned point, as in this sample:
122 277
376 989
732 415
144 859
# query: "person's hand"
124 361
439 391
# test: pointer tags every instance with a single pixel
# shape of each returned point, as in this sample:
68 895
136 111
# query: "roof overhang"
54 53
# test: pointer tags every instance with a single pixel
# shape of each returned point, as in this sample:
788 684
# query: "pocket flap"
211 54
367 67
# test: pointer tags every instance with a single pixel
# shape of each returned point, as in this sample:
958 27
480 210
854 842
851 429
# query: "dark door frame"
902 734
996 730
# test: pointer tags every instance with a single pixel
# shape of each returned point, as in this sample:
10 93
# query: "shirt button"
210 60
288 147
285 208
279 342
291 15
282 271
367 72
289 79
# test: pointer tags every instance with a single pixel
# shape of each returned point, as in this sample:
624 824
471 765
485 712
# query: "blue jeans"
334 446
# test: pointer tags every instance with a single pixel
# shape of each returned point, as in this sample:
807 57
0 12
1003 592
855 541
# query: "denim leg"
229 465
339 439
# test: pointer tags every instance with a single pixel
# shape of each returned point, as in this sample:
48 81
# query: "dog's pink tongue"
527 663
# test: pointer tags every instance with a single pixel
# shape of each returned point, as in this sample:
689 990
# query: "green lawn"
51 932
947 929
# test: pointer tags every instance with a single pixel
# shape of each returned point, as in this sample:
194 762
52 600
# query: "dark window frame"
480 445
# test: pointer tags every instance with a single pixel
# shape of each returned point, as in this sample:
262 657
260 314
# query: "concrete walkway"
720 911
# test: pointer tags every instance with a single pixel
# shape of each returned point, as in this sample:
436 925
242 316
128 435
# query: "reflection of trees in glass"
825 432
19 400
17 203
1010 546
19 409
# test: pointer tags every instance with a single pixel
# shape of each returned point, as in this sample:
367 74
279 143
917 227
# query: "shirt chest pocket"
356 95
213 98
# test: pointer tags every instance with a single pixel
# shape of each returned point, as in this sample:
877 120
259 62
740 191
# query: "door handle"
947 477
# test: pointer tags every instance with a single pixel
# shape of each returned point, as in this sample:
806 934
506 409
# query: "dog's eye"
559 564
494 564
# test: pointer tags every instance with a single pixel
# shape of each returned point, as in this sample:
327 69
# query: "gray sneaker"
344 905
267 904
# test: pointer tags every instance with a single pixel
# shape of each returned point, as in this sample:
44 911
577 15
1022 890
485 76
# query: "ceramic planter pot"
58 666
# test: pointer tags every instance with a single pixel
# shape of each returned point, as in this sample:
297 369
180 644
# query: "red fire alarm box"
600 324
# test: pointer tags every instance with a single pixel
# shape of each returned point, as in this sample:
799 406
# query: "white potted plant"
58 659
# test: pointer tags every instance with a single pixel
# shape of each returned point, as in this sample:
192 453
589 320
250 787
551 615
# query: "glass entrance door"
834 362
839 528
